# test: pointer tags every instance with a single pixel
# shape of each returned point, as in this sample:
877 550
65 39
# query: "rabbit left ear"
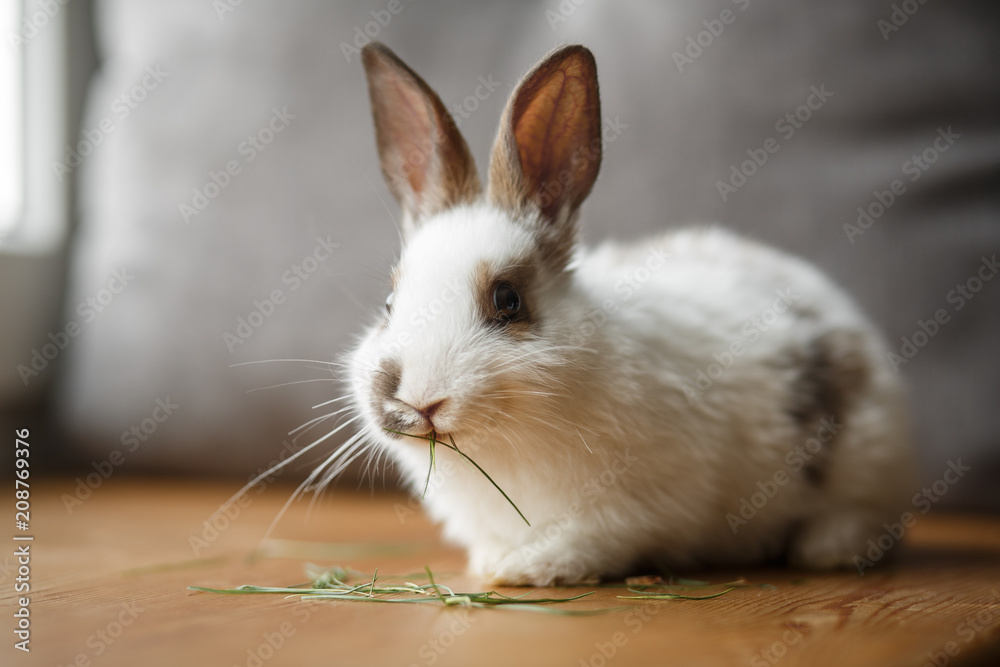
426 162
548 149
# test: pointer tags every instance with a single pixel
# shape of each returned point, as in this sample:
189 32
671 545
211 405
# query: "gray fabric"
680 133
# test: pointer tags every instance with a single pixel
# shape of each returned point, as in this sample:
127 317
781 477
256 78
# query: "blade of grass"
469 459
430 578
432 439
431 467
671 596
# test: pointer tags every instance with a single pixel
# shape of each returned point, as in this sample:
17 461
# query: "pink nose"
429 411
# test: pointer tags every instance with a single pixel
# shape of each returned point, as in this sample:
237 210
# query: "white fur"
649 401
588 426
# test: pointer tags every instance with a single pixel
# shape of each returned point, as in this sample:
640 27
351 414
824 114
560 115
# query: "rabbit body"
693 399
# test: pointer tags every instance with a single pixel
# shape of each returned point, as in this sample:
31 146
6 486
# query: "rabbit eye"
388 302
507 301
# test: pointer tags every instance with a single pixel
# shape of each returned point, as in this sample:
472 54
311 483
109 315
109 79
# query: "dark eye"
388 301
507 301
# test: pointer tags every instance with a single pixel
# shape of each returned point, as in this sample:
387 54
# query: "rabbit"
693 400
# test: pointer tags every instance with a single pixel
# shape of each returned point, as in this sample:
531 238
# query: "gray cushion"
692 89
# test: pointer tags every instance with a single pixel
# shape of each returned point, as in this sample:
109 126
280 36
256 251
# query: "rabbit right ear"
548 150
426 162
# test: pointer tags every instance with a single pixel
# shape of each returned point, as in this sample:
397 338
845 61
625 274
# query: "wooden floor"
110 587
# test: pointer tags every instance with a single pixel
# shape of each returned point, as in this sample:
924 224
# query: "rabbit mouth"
401 418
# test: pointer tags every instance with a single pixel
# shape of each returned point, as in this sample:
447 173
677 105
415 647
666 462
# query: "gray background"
163 335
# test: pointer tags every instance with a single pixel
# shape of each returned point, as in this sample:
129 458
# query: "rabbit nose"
429 411
426 412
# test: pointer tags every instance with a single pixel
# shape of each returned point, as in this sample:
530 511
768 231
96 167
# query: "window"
11 119
34 120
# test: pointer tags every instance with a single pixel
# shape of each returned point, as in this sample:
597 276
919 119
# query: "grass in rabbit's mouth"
432 438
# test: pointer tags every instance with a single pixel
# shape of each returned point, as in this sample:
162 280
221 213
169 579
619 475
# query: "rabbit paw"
830 541
530 567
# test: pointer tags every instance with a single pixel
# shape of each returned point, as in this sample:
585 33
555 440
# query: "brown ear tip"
579 48
374 46
575 51
375 50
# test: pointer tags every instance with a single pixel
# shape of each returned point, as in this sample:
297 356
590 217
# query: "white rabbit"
694 399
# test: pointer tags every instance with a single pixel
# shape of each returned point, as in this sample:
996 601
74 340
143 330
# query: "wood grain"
120 564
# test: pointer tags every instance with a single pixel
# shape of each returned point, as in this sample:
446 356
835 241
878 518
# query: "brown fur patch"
385 383
832 371
521 277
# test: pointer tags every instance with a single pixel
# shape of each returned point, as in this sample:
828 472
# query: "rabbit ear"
424 159
548 150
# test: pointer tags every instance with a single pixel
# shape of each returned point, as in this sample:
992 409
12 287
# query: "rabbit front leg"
553 556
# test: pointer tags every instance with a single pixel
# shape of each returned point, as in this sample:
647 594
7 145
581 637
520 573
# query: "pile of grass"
342 584
346 585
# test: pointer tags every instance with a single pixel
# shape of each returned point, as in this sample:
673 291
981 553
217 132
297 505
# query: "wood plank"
110 577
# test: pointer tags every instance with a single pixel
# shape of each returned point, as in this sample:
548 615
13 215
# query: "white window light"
33 126
11 119
34 204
